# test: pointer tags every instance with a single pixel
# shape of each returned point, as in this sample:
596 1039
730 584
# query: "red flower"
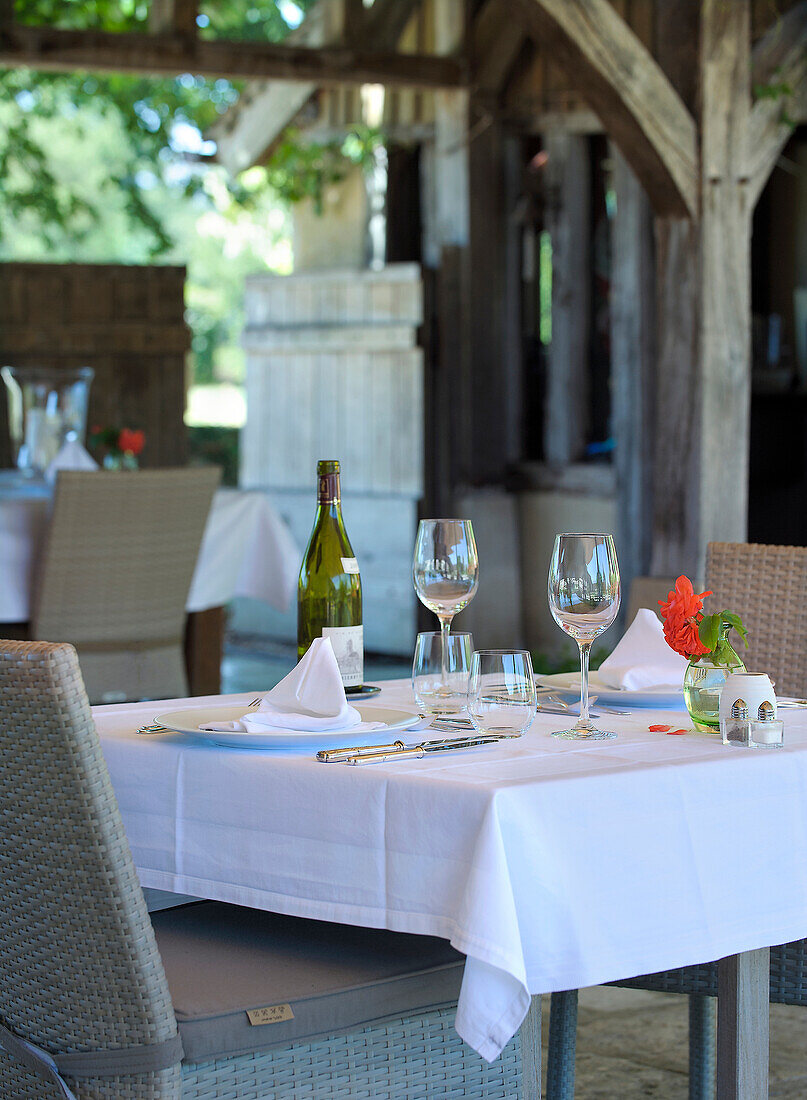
130 440
682 613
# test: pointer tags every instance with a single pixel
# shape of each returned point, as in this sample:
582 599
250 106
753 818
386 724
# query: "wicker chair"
85 977
115 575
767 586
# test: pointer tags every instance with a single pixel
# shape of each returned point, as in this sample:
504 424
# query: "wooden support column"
676 467
725 267
704 311
743 989
568 202
495 300
446 219
632 366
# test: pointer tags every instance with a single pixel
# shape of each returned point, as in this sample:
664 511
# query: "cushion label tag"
272 1014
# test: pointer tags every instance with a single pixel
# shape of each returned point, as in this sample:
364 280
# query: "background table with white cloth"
247 550
551 864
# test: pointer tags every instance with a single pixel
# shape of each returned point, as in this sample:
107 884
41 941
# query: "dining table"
247 550
551 864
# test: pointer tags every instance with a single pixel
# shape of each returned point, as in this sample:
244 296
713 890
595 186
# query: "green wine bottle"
329 589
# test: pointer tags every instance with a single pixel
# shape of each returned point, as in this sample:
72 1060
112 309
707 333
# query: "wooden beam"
725 263
567 199
633 362
354 18
638 105
779 60
743 989
47 48
249 130
497 41
385 22
173 17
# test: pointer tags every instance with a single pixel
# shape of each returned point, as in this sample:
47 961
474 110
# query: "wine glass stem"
445 631
585 650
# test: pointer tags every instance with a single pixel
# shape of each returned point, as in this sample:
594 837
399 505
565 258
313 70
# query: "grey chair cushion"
223 960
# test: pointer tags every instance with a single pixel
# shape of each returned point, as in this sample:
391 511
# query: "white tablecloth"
247 550
551 864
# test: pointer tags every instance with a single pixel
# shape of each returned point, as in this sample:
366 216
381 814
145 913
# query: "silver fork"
154 727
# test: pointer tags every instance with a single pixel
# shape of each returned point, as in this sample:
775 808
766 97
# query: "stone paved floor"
632 1045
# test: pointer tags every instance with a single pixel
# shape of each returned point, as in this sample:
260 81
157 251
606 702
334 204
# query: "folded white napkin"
71 456
642 659
311 699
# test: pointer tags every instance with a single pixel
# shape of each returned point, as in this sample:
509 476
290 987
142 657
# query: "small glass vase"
123 460
703 682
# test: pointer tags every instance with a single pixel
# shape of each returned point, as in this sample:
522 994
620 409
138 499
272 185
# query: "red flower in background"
682 612
131 440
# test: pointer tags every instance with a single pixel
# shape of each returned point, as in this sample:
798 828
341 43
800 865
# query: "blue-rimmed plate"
189 719
567 685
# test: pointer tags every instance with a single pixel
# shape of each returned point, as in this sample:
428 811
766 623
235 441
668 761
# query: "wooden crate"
127 323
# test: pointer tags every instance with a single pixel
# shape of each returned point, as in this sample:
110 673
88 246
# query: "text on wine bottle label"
348 646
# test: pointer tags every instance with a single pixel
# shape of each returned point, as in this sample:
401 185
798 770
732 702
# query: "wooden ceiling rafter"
627 88
497 41
176 48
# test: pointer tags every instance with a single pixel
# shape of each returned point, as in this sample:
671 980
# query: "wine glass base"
592 734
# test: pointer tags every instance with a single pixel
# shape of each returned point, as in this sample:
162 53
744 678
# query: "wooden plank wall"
127 323
333 371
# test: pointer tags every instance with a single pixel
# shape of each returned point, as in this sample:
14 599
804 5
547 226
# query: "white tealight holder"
748 711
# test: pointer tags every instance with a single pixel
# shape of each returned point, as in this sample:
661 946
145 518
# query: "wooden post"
632 366
530 1034
704 312
725 272
353 21
676 466
446 218
743 989
568 201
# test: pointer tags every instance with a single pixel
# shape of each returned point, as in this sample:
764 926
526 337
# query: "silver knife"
420 750
330 756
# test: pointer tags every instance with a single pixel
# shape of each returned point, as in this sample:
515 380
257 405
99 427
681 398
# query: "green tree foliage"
147 111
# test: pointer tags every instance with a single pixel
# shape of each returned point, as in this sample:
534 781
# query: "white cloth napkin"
311 699
642 659
71 456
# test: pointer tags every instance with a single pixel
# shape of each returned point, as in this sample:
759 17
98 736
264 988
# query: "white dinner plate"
568 683
189 719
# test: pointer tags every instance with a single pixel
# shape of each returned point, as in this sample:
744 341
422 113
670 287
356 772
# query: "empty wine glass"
501 692
445 571
427 672
584 596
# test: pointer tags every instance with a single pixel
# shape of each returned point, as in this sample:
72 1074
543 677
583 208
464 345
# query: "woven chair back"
115 575
767 586
79 966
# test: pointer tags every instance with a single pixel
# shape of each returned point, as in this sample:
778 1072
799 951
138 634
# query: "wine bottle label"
348 645
350 565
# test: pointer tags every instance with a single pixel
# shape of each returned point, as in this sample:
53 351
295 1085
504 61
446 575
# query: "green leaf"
709 631
734 620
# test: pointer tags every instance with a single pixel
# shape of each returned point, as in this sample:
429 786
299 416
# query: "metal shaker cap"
739 709
766 712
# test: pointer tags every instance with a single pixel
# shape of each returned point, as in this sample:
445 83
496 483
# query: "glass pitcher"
46 407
